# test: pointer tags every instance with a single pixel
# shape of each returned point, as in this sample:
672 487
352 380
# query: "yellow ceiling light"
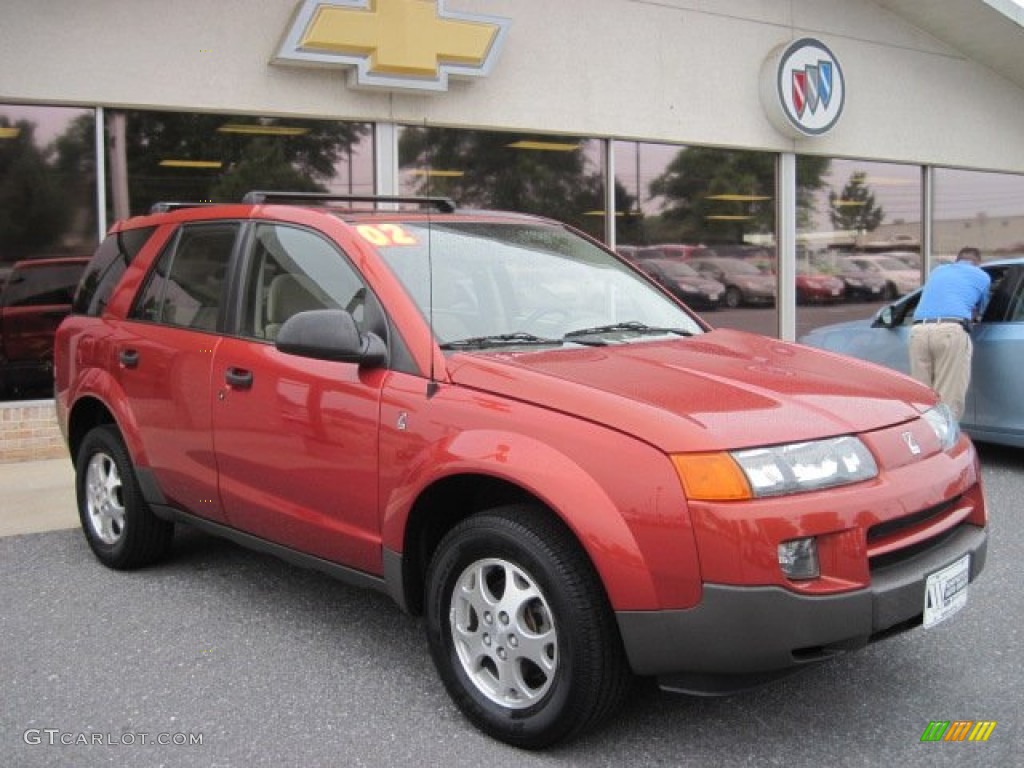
191 163
544 146
724 217
849 203
263 130
740 198
9 133
435 173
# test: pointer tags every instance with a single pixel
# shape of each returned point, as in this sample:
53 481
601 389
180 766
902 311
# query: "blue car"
994 411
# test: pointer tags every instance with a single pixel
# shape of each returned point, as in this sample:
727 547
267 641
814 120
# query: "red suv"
508 429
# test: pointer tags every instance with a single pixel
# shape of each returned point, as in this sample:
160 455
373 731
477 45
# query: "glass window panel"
47 210
985 210
858 238
47 182
560 177
208 157
687 203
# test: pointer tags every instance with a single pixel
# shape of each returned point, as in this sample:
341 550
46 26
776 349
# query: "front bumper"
740 636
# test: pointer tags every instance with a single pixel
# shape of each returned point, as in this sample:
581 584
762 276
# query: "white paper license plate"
945 591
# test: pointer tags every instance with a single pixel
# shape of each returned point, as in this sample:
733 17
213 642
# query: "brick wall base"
29 431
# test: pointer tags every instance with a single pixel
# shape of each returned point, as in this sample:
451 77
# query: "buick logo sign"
802 88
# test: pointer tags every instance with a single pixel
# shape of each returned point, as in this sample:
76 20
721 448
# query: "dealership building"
790 130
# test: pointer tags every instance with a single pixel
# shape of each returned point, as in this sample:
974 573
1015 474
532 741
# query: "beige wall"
673 70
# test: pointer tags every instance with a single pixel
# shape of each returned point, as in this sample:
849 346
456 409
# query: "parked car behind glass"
34 298
684 281
900 279
744 282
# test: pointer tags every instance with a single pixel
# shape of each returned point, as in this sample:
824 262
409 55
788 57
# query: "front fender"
620 498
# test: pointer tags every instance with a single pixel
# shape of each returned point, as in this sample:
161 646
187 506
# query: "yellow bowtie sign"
393 44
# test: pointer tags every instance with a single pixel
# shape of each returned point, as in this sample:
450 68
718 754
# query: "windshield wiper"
631 326
481 342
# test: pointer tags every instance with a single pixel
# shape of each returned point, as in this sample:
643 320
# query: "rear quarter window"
106 268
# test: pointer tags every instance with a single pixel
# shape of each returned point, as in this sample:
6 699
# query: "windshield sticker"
385 235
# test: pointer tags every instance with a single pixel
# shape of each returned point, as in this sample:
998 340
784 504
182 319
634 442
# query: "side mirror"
331 334
885 318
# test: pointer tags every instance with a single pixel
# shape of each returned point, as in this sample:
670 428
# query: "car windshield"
486 284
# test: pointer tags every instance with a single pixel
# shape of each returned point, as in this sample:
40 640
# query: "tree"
487 173
33 204
855 209
722 195
293 160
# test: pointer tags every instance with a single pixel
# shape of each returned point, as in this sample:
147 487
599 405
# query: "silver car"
994 411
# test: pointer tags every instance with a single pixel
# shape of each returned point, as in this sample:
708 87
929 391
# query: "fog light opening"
798 558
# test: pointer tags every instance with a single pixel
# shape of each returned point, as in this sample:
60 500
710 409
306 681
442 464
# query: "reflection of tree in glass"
720 195
855 209
302 157
33 202
479 169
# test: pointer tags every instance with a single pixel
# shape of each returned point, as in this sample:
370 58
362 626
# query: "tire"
890 293
121 529
546 662
733 297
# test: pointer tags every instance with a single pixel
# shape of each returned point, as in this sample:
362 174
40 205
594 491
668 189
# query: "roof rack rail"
257 196
164 206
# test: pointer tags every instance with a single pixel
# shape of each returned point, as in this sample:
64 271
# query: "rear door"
164 355
297 438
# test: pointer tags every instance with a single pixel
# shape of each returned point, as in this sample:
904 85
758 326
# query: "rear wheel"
121 529
733 297
520 630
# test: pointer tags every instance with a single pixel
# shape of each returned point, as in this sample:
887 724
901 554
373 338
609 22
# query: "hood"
722 390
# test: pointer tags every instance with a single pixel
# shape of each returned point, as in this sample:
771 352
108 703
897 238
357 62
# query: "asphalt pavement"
225 657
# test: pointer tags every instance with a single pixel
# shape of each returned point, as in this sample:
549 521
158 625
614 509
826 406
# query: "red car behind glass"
34 298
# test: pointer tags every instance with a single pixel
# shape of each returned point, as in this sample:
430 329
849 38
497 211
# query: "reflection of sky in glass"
50 122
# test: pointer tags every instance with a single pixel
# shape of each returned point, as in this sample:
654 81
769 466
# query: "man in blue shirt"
940 340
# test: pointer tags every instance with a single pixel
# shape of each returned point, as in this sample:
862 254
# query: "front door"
297 439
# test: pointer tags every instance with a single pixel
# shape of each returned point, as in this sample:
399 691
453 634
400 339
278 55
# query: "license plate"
945 591
713 297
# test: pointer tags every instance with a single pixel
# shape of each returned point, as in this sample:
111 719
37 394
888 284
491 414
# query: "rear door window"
186 286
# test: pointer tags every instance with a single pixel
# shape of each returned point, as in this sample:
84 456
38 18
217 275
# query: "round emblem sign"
802 88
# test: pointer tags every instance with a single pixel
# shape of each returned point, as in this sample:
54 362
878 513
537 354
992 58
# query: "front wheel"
520 629
121 529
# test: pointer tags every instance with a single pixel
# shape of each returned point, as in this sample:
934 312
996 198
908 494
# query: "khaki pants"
940 356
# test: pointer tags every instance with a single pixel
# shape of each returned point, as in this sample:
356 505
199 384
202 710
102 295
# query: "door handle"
129 358
239 378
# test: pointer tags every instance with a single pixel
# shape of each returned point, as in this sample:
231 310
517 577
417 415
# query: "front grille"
889 528
907 553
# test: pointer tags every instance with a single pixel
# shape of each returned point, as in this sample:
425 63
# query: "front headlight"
802 467
946 427
775 470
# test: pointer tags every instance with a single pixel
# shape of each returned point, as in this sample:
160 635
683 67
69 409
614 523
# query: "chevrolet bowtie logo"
394 44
